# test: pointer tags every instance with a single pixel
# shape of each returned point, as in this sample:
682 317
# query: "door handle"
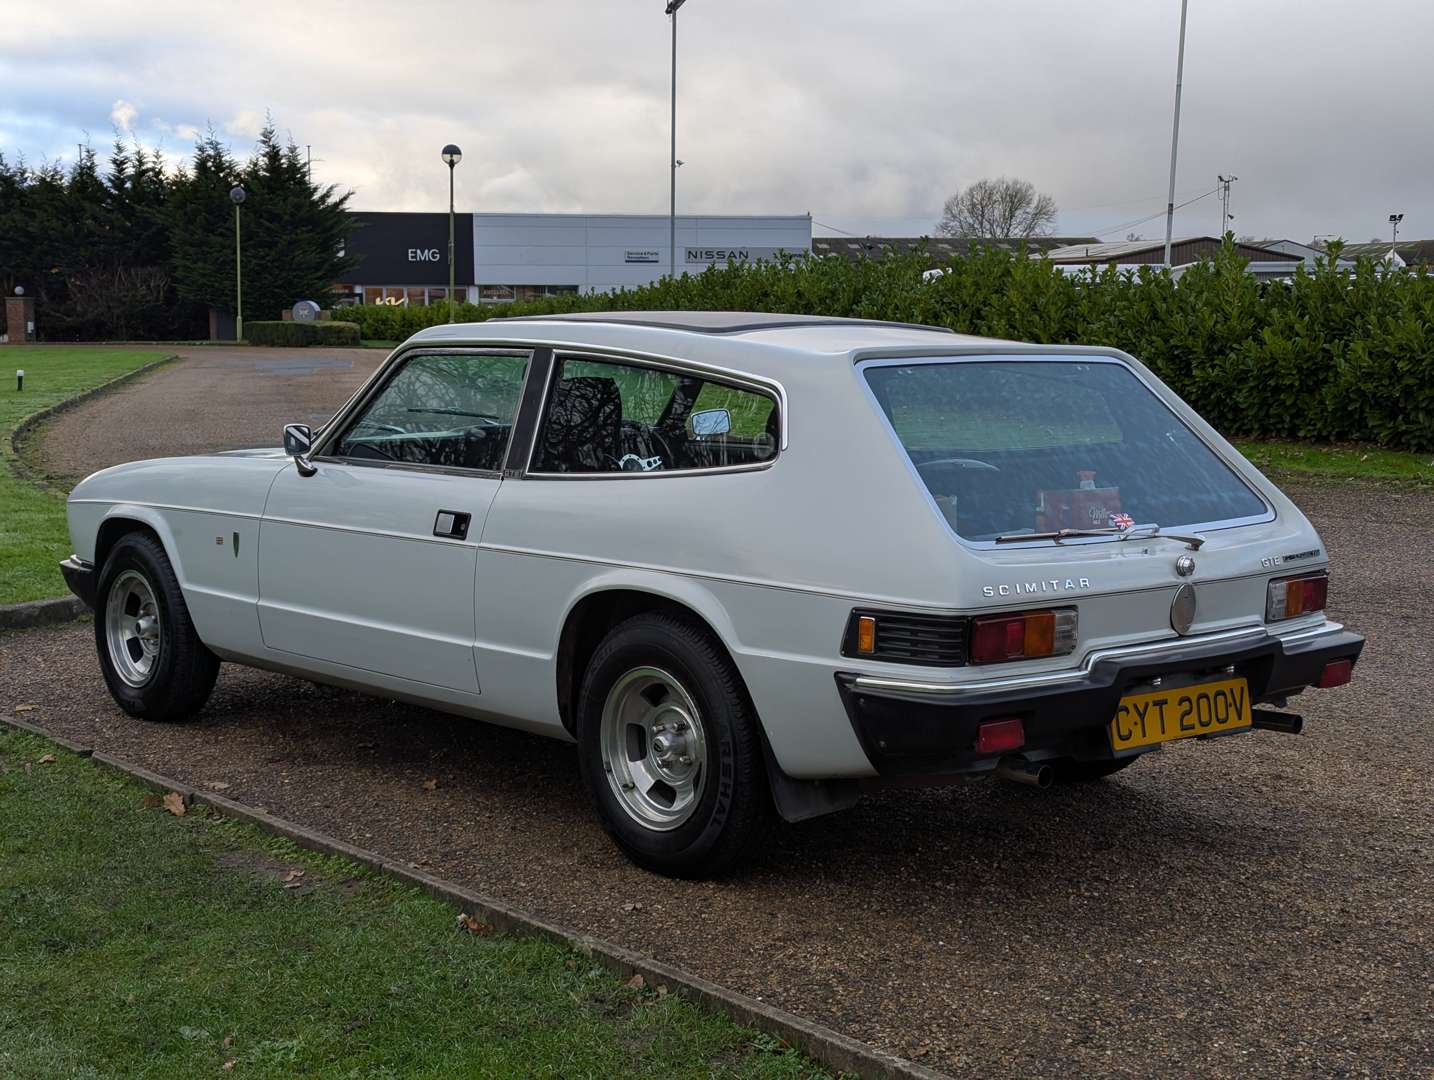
451 525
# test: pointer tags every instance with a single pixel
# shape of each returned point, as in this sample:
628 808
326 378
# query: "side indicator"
866 634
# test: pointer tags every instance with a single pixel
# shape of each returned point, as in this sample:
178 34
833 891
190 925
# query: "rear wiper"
1134 532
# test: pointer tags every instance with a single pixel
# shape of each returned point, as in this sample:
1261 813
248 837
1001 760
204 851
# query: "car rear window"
1012 446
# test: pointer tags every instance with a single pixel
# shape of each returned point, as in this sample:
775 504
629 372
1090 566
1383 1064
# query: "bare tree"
1000 209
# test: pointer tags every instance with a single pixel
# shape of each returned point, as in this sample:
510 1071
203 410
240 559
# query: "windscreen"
1013 446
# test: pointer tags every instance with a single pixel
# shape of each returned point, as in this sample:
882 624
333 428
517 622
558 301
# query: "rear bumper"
918 728
80 576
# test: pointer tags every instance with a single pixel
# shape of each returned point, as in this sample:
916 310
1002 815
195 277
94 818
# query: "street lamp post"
672 8
238 194
1175 134
451 157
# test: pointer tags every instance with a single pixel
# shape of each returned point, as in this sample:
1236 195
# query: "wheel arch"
121 520
609 600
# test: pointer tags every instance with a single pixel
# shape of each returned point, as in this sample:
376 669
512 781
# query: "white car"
745 561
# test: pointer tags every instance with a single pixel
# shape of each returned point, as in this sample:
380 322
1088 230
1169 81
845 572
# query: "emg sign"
409 249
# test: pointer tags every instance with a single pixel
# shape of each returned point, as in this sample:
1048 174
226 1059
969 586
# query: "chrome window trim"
741 381
374 386
1239 635
1016 355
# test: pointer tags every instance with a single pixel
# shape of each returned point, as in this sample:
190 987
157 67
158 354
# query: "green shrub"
1331 355
302 333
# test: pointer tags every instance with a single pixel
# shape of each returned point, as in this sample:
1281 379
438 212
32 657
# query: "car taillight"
1288 597
1022 635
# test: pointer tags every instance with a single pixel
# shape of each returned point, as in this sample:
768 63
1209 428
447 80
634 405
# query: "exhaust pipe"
1288 723
1021 771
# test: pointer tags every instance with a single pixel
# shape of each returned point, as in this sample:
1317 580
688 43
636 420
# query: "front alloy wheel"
132 629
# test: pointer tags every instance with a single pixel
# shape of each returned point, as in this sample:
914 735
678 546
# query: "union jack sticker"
1121 521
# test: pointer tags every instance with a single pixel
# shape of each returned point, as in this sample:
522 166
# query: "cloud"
123 115
866 115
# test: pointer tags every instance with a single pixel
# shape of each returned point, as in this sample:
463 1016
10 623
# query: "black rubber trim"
530 409
80 576
915 733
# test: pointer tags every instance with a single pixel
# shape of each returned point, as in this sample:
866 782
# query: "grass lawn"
1338 462
33 536
139 943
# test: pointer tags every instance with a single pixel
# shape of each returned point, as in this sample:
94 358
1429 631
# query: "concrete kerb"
820 1043
65 608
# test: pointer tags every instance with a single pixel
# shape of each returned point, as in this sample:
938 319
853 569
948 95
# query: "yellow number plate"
1165 715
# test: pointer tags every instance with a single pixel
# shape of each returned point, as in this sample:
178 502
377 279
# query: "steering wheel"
642 434
958 463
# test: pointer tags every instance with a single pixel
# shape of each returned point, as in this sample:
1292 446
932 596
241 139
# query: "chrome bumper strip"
1247 635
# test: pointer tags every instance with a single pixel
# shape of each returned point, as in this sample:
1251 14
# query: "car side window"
454 410
604 417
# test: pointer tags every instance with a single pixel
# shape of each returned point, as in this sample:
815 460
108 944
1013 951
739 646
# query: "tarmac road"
1258 906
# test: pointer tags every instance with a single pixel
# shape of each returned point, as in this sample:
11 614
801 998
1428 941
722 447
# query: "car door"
371 561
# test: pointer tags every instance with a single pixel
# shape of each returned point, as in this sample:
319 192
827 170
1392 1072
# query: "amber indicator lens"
866 634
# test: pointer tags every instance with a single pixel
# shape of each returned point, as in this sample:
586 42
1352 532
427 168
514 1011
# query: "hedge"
1333 355
302 333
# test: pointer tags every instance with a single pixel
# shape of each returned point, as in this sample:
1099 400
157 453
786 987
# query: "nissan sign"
706 256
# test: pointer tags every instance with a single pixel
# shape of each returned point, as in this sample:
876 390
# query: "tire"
156 669
1083 772
653 678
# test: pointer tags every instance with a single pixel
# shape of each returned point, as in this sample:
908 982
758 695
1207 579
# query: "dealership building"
403 257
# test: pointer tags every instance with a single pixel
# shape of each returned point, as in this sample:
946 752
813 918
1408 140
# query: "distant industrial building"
403 257
1264 262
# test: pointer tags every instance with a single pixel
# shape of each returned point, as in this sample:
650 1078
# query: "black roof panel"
713 322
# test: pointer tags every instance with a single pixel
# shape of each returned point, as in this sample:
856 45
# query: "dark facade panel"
410 249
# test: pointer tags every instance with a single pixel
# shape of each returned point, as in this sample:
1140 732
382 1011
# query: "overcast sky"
865 114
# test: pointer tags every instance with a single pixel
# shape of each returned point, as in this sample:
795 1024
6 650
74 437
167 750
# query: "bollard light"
19 379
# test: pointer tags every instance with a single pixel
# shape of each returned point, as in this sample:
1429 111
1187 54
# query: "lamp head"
452 155
238 194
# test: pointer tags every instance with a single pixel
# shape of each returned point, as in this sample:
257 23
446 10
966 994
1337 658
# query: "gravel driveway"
1261 905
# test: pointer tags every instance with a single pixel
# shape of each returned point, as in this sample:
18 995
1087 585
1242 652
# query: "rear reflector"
1000 736
1022 635
1288 597
1335 673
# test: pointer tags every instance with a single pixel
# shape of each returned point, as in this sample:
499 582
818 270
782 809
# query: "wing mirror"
711 422
298 441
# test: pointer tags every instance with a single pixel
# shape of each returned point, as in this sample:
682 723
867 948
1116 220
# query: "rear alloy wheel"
153 661
1083 772
670 751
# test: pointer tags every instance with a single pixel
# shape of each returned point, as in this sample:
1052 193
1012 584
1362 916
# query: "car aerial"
745 561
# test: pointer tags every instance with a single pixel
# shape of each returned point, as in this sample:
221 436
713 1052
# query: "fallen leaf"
48 759
293 884
174 803
294 874
26 708
229 1065
473 924
217 785
662 991
430 785
152 801
228 1040
637 982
